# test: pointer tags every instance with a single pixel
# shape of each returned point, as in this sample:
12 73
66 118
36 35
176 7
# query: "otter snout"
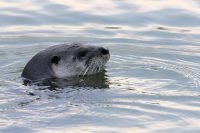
104 54
104 51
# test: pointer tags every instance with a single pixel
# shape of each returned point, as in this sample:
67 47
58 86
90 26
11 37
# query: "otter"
66 60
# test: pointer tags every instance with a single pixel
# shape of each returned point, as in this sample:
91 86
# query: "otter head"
79 60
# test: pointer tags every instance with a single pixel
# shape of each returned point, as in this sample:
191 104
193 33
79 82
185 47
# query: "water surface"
152 80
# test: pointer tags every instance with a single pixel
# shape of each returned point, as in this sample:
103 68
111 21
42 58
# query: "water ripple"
152 78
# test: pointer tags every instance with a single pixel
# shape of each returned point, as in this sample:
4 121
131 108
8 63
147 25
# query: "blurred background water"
153 76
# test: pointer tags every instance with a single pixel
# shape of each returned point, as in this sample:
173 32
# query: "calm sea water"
151 83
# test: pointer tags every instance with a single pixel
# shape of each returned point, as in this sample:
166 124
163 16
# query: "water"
152 80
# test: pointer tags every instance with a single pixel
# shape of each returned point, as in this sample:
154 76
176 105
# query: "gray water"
152 80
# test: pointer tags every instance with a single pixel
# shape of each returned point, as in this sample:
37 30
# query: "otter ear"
55 59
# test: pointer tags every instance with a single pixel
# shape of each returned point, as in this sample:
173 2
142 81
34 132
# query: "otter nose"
104 51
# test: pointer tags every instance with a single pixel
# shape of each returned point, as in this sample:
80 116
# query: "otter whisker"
83 70
87 69
96 65
93 66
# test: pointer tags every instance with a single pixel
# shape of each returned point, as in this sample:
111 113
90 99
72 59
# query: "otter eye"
82 53
55 59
